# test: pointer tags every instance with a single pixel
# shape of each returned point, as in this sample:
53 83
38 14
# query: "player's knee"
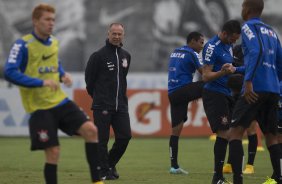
270 139
52 154
279 137
89 131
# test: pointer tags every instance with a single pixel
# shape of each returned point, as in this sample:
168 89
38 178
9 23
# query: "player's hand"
249 94
51 84
228 68
67 79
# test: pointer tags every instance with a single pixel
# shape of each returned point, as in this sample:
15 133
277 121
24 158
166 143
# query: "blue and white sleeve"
16 64
209 54
61 70
253 49
279 60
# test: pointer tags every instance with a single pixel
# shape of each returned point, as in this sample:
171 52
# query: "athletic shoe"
270 181
177 171
108 176
249 169
114 172
212 137
260 148
245 141
221 181
227 168
99 182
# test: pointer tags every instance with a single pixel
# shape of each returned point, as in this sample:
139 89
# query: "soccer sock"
173 151
273 174
252 148
50 173
236 156
276 159
91 150
220 147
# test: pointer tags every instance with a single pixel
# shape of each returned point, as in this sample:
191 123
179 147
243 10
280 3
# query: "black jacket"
105 78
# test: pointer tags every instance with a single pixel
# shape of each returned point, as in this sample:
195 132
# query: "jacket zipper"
117 80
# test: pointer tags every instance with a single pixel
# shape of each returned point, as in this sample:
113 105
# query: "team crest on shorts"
43 135
224 120
124 63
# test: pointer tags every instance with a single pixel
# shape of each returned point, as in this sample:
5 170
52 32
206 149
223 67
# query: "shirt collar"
45 42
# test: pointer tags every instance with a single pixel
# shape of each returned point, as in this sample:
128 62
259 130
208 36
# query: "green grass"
145 162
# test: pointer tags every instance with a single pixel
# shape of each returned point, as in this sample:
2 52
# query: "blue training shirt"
217 54
182 65
14 69
262 56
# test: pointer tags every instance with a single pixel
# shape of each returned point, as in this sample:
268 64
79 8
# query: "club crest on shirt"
124 63
43 135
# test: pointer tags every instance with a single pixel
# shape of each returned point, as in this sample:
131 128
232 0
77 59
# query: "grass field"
145 162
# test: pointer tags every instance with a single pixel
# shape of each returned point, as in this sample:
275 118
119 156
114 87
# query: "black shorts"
264 110
180 99
44 124
218 108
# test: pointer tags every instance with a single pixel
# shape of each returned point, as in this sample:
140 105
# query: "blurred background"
153 28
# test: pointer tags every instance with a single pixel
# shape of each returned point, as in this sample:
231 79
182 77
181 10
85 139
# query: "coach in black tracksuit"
105 78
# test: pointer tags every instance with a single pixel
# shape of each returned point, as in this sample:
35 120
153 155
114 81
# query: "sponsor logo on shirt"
209 52
199 58
268 32
110 65
248 32
14 53
44 58
268 65
47 69
177 55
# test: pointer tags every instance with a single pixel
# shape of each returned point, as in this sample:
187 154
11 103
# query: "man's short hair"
238 56
232 26
116 24
254 6
39 9
193 36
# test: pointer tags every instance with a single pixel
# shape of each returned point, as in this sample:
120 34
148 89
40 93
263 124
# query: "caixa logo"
9 115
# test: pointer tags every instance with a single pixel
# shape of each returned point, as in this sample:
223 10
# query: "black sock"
229 159
50 173
275 156
252 148
173 151
220 147
236 156
91 150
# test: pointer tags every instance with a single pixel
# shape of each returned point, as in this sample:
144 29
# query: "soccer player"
235 83
263 62
184 61
33 65
217 99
